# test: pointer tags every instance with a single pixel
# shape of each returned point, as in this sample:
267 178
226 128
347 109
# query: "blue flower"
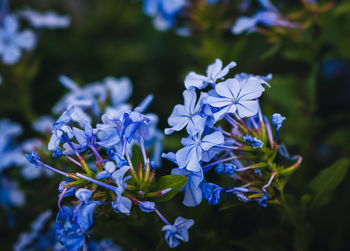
135 126
57 153
12 41
234 96
10 194
177 232
68 232
59 128
10 153
86 137
119 179
33 158
109 133
269 17
214 72
117 157
256 143
50 19
147 206
190 156
193 191
81 98
71 226
277 120
225 168
120 90
263 200
121 204
70 191
212 193
43 124
163 11
26 240
187 115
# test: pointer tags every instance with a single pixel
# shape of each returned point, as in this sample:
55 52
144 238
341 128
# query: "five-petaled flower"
177 232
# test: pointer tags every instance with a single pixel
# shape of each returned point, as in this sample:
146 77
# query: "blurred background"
310 86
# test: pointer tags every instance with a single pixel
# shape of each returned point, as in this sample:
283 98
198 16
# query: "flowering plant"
228 135
119 176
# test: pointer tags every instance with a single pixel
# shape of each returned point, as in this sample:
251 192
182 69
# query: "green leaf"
327 180
175 182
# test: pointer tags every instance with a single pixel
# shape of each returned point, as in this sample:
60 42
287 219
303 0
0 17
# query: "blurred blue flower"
50 19
26 239
43 124
10 153
270 16
120 90
177 232
13 41
163 11
10 194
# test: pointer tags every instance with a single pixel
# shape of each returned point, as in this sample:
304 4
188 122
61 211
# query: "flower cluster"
13 41
242 16
10 154
228 136
269 16
115 172
42 237
163 11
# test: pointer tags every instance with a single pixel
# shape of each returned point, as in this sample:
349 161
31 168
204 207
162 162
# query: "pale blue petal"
190 98
228 89
214 69
251 89
173 6
122 205
195 80
11 55
247 108
26 39
150 7
243 24
10 24
211 140
196 125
